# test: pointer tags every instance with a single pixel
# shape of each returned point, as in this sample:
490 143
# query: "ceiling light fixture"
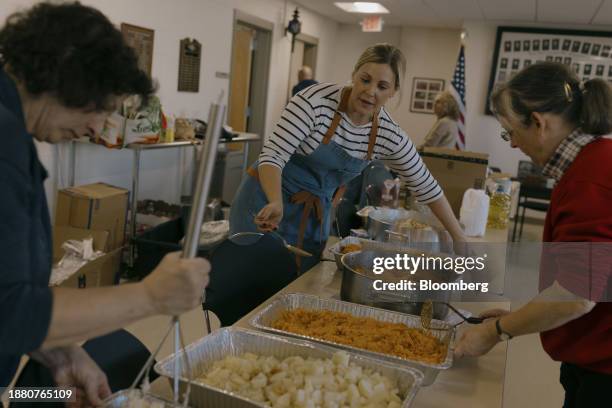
363 7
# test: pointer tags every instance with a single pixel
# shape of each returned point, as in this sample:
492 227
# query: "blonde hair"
450 108
384 53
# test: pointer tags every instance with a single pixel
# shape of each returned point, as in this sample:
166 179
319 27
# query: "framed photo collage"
588 53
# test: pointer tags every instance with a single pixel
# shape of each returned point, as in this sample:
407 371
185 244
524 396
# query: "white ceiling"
452 13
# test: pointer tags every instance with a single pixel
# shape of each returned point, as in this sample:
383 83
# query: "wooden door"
240 77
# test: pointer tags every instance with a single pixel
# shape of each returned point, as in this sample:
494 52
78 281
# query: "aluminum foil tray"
263 321
236 341
120 399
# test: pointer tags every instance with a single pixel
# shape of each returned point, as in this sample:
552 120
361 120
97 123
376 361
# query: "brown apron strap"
253 172
346 92
373 134
338 195
311 202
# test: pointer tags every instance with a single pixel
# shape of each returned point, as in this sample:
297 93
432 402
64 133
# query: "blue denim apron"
308 186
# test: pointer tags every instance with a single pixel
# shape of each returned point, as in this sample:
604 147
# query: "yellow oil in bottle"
499 210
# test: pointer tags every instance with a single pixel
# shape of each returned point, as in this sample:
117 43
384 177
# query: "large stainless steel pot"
358 287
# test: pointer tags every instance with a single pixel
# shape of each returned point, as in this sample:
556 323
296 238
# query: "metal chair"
528 195
533 194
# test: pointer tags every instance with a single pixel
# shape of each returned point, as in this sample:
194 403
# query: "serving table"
474 383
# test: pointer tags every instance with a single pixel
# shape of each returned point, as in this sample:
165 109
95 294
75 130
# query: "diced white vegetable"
303 382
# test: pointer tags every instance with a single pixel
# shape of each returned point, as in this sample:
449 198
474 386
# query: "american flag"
458 92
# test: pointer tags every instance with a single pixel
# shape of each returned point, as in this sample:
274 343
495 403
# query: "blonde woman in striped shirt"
325 137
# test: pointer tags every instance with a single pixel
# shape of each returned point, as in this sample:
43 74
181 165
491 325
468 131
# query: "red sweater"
581 211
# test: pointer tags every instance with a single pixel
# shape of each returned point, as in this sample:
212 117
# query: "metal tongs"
142 378
192 238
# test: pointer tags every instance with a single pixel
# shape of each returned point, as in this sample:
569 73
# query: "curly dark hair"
72 52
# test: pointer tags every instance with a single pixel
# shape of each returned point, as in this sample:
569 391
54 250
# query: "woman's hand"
494 313
71 366
269 217
462 246
477 340
176 285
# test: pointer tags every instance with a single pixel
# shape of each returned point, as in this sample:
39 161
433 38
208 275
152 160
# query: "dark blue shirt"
302 85
25 238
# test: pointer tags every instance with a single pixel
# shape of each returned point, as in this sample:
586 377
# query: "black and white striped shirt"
309 114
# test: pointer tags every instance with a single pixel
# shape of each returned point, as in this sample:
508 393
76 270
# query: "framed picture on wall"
424 92
576 48
141 40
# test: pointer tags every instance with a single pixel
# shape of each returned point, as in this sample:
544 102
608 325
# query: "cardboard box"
99 272
456 171
96 206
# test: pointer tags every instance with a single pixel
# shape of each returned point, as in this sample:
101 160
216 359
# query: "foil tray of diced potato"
236 367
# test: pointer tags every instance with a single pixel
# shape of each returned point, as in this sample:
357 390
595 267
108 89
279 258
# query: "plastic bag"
474 212
76 255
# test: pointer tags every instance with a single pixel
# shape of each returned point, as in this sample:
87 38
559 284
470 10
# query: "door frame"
313 41
261 73
310 41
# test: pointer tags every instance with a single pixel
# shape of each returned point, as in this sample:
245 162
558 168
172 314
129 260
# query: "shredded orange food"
363 332
350 248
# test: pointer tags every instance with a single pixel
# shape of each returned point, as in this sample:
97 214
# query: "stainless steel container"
358 287
264 319
336 249
430 235
120 400
235 341
381 220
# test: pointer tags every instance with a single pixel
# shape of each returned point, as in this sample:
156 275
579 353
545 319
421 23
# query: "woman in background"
445 131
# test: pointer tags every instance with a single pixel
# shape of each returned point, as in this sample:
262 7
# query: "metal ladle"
250 238
427 309
427 314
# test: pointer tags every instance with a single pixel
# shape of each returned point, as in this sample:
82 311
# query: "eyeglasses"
505 135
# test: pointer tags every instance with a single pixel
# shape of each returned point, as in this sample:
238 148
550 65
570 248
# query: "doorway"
251 49
304 53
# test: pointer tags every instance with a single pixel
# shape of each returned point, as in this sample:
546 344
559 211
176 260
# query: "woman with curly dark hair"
64 69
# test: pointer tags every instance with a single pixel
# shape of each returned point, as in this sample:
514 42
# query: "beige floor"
531 378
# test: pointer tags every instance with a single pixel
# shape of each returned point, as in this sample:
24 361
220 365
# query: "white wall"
350 43
210 22
483 131
430 53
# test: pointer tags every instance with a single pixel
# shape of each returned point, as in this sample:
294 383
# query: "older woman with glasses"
564 125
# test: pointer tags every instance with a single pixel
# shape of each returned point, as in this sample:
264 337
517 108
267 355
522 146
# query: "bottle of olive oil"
499 207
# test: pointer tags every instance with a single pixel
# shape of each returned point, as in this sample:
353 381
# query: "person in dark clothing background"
63 69
305 80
